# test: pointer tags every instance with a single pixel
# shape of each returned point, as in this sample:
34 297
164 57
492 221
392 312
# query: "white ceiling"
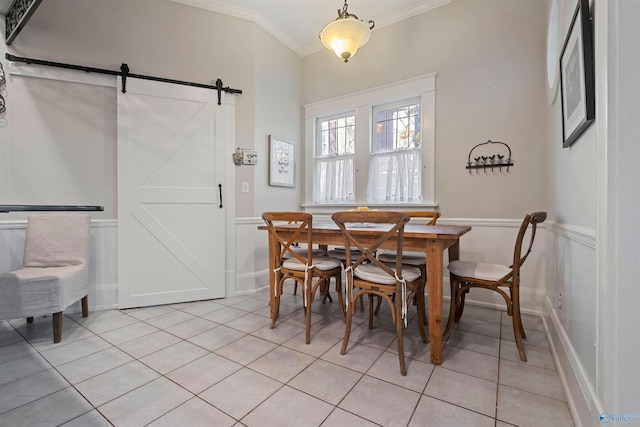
297 22
4 6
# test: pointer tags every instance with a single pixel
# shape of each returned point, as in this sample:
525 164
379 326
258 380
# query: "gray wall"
158 38
179 42
490 60
489 56
279 113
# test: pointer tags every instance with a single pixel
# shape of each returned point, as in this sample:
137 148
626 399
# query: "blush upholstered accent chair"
55 271
502 279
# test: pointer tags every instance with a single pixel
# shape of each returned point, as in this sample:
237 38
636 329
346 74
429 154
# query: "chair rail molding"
583 235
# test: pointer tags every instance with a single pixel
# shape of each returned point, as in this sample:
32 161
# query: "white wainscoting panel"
103 261
252 256
571 316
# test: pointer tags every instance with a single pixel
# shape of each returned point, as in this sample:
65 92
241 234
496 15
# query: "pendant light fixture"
346 34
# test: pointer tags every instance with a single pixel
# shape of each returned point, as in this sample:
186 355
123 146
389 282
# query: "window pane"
395 178
397 128
334 180
395 166
336 136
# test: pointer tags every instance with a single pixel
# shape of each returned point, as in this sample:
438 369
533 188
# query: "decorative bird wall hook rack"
495 162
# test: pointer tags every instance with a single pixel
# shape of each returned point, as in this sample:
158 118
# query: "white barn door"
171 225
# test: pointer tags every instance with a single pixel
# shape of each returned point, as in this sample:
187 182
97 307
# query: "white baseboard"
583 402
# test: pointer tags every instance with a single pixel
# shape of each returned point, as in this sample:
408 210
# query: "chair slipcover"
55 270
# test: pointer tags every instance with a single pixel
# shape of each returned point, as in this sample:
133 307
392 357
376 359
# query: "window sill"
333 207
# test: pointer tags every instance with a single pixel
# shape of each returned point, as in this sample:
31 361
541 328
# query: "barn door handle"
220 188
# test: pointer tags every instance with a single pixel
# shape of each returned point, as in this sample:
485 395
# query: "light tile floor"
217 363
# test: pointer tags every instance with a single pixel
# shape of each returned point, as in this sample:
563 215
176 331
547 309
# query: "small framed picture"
282 162
577 76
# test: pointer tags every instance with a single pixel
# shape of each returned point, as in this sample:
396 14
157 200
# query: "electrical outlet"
245 187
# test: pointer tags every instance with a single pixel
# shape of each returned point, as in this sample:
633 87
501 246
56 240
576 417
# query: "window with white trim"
333 180
373 147
396 162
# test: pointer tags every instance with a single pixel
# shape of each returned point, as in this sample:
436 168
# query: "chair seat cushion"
372 273
478 270
321 263
409 258
304 252
341 254
32 291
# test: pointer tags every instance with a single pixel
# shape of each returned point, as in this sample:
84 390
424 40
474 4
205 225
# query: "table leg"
274 303
434 252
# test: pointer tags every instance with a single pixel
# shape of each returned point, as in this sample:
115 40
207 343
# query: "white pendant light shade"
346 34
345 37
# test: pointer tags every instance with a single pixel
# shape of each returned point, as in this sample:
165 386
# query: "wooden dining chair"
367 275
496 277
300 266
302 250
412 259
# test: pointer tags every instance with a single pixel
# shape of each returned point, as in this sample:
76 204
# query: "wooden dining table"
432 240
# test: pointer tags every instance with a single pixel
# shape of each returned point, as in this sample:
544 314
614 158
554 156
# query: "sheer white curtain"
395 177
333 181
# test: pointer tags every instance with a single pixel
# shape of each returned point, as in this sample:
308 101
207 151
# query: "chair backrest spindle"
368 250
534 219
301 224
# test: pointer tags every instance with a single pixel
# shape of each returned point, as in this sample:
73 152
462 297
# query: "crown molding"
248 14
401 15
258 18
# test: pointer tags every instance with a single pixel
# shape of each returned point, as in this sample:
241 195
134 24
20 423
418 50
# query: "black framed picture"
577 76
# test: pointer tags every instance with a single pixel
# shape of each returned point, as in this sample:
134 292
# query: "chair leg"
522 329
85 306
29 319
275 310
421 314
324 289
307 312
347 328
57 327
379 304
423 271
453 308
338 279
371 310
460 306
399 326
517 324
